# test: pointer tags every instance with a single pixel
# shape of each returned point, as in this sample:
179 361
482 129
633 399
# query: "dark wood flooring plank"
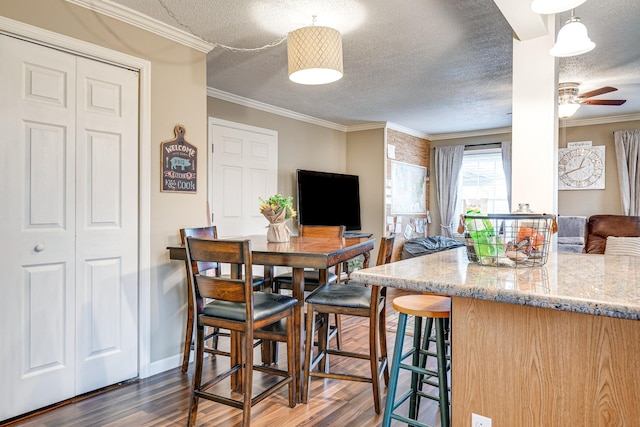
162 400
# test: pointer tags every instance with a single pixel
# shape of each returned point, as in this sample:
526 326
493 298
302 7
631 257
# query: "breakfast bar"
550 345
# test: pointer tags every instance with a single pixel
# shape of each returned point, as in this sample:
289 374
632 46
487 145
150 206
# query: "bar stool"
436 309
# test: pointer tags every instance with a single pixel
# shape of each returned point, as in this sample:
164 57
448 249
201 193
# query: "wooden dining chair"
312 277
211 268
351 299
248 314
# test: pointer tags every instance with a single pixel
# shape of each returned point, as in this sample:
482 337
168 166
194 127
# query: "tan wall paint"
365 158
590 202
178 95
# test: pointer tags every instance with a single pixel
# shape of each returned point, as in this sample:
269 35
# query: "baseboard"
166 364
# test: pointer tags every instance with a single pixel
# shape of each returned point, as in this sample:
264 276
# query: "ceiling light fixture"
547 7
314 55
572 39
568 102
566 110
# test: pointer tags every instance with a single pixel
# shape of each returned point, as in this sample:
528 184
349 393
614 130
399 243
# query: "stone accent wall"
413 150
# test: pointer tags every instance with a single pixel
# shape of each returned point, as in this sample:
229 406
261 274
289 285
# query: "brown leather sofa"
599 227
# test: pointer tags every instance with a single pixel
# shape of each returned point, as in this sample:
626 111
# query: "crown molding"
137 19
366 126
246 102
470 134
226 96
408 131
601 120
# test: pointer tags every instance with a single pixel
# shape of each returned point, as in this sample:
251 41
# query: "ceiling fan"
569 100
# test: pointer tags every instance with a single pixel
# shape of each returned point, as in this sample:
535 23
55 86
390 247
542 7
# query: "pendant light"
572 39
314 55
547 7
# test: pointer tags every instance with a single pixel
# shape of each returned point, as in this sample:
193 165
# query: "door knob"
39 247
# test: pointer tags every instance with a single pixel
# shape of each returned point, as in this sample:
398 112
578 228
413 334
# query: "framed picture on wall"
408 188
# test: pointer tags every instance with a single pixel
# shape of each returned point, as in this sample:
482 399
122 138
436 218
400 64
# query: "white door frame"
79 47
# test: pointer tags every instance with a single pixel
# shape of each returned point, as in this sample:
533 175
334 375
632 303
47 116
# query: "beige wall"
178 95
590 202
365 158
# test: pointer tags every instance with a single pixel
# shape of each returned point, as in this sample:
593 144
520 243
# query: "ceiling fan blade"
597 92
604 101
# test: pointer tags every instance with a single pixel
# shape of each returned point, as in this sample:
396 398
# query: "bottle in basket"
482 233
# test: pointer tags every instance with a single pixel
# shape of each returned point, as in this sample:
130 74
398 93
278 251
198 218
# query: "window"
482 183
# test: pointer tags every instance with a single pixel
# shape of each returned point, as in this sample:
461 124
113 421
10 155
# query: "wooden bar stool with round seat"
436 309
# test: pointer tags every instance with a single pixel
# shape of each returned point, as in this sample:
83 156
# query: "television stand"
356 235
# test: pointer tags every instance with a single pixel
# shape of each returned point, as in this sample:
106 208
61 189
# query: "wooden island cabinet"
553 345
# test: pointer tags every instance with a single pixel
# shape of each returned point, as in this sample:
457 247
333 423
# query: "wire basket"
508 240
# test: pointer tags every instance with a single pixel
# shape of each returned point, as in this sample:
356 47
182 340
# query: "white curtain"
448 162
506 167
627 144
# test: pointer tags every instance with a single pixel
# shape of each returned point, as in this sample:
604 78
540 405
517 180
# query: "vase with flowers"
277 209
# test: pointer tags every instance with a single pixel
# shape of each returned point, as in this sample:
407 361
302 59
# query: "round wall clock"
581 168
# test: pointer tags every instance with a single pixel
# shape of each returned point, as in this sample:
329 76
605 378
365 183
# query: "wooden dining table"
299 253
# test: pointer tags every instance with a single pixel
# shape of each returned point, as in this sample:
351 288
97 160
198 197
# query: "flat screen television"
326 198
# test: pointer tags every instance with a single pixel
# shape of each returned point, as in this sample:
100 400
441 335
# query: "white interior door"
243 168
68 298
37 291
106 225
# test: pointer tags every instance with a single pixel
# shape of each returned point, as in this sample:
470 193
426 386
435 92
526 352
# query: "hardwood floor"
162 400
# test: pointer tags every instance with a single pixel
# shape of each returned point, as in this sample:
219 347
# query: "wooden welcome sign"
179 165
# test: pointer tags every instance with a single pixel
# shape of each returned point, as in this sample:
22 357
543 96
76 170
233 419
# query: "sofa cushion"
599 227
622 246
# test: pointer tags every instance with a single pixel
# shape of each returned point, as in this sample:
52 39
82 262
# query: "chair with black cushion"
248 314
212 268
351 299
312 277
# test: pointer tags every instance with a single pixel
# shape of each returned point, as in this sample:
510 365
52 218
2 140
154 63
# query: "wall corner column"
535 123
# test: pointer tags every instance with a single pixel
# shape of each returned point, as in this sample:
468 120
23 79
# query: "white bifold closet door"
69 252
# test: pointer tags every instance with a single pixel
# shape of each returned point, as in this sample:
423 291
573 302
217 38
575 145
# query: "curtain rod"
483 144
478 145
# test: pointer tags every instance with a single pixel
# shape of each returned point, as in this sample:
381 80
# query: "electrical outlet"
480 421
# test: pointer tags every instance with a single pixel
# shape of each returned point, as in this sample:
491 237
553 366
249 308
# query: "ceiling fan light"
314 55
566 110
547 7
572 39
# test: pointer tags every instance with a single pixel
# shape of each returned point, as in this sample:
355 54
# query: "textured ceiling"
433 66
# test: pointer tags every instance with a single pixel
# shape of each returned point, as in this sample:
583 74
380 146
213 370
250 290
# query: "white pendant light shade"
314 55
547 7
567 110
572 39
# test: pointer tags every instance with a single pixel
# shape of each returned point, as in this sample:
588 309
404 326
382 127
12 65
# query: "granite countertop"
603 285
